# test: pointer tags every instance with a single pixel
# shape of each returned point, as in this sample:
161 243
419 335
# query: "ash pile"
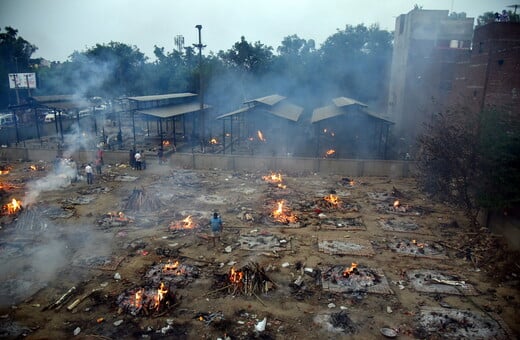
175 274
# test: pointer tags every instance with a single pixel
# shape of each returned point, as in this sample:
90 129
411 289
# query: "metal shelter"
167 109
239 121
347 117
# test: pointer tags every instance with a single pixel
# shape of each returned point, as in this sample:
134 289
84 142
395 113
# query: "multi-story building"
427 46
490 75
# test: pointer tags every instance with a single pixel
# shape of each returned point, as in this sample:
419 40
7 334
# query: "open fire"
334 200
282 214
173 273
350 270
146 301
330 153
261 136
275 179
12 207
249 280
4 169
213 141
186 223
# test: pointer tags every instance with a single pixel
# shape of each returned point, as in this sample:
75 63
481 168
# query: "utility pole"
201 93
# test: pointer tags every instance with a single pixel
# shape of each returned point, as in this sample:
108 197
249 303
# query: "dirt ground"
44 254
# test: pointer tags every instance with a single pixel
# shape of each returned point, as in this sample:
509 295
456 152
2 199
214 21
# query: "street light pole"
201 92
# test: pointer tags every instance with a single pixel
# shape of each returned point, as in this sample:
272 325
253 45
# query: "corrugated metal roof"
325 112
287 111
284 110
244 109
268 100
330 111
172 110
162 96
345 101
375 115
62 102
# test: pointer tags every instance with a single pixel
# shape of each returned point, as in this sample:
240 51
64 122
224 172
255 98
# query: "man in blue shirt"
216 227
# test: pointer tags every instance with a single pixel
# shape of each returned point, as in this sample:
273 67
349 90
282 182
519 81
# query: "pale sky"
60 27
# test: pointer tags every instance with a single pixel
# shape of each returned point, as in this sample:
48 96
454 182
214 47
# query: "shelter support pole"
133 126
174 132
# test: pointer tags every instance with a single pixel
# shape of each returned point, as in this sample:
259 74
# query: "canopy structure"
166 108
273 104
61 102
353 125
254 112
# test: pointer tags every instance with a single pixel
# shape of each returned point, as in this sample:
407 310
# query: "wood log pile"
141 200
250 280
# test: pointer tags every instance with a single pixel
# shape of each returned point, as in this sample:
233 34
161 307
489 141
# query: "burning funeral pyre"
12 208
416 248
248 280
275 179
184 224
175 274
146 301
114 219
4 169
282 214
141 200
351 278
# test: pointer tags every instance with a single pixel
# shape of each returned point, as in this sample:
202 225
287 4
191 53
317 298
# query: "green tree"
472 160
15 55
356 60
253 58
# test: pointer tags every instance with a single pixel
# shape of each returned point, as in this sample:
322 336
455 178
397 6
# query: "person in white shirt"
137 161
88 171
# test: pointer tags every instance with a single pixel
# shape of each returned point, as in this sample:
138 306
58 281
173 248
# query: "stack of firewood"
141 200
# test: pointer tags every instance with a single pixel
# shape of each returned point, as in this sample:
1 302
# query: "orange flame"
420 245
213 141
330 152
273 178
161 293
33 167
138 299
348 271
235 276
261 136
397 204
13 207
332 199
281 216
186 223
4 172
166 142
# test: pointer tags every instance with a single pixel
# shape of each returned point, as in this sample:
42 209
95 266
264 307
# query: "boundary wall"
200 161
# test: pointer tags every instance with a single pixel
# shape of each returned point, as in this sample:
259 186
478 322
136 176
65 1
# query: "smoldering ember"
302 254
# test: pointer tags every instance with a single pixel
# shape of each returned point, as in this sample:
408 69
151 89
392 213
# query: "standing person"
132 158
99 164
99 155
143 160
137 158
88 171
160 155
216 227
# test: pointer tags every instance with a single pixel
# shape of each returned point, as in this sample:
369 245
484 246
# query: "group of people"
137 159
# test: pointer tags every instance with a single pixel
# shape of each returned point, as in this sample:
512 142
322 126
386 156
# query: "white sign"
22 80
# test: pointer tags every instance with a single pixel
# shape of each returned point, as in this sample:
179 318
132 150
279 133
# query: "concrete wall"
345 167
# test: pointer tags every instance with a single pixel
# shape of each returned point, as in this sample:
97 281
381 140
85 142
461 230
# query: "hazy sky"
60 27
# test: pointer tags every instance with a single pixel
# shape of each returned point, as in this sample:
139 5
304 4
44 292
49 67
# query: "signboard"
22 80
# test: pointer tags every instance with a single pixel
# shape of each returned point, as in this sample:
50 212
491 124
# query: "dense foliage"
472 161
351 62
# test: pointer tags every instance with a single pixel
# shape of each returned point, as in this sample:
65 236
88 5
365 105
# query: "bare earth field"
131 257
